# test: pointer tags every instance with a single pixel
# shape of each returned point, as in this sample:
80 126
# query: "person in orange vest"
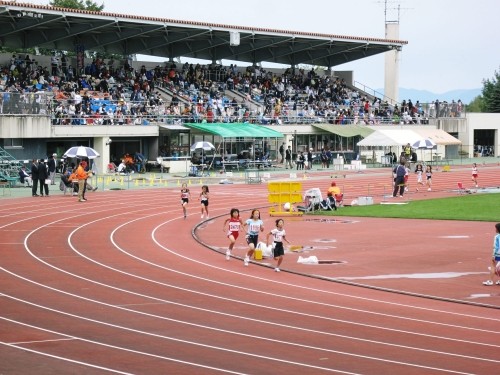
82 175
333 189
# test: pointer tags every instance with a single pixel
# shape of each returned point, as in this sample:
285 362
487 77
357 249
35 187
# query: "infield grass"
476 207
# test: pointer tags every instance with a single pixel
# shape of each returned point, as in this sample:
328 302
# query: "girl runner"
184 198
419 170
474 173
428 175
254 226
204 201
233 230
278 234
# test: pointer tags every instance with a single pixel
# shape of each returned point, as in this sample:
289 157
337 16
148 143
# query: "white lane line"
260 356
99 344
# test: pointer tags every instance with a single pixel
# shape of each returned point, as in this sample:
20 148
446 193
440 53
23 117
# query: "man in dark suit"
34 177
43 175
52 164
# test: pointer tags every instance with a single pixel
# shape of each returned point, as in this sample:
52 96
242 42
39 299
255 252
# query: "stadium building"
49 103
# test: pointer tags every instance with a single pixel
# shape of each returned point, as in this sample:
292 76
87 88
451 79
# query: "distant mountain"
466 96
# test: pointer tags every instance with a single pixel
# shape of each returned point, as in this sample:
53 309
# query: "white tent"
400 137
390 137
385 138
439 136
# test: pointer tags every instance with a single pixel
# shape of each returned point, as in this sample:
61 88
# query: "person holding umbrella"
82 175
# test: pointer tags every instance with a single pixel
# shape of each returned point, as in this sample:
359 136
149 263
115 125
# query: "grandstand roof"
28 26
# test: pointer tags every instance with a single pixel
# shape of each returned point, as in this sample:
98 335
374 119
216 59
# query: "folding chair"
312 199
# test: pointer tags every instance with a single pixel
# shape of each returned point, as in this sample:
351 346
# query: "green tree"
491 94
77 4
476 105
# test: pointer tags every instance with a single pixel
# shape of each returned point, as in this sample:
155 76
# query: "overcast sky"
452 44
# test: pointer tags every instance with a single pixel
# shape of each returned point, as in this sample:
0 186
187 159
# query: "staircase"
9 166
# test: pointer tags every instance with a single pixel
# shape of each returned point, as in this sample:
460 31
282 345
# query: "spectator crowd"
109 93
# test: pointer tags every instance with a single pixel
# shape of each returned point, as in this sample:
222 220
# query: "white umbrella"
81 152
424 144
202 145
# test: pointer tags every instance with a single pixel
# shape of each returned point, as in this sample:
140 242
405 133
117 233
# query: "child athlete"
428 176
184 198
419 170
474 173
278 234
233 229
204 201
254 226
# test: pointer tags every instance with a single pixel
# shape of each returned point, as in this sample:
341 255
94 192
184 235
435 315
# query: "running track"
119 285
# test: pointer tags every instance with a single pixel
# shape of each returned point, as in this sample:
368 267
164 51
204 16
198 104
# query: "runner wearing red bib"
234 225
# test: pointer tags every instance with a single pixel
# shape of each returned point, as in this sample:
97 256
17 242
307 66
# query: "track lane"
254 287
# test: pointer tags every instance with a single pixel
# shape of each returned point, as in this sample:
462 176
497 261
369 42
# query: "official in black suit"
34 177
43 174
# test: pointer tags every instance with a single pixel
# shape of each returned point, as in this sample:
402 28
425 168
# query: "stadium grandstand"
49 103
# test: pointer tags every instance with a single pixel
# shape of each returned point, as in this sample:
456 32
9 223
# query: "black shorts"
184 200
252 238
205 202
278 249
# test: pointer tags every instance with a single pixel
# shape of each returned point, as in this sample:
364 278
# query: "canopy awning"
233 130
439 136
400 137
345 130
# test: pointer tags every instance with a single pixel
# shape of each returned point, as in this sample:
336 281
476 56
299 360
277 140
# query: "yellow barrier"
284 192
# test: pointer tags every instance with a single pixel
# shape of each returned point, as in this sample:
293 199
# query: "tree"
476 105
77 4
491 94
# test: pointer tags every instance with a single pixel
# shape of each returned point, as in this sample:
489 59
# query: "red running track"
119 285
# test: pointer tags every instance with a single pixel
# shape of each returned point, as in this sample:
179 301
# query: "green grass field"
476 207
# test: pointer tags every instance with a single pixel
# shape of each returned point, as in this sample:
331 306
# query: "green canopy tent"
235 130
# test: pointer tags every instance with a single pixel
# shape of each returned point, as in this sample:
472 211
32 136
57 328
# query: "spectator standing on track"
300 160
419 170
254 225
310 159
233 230
288 158
82 175
324 159
474 173
204 201
495 259
399 179
282 153
428 176
279 235
34 177
52 164
184 198
407 151
43 175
